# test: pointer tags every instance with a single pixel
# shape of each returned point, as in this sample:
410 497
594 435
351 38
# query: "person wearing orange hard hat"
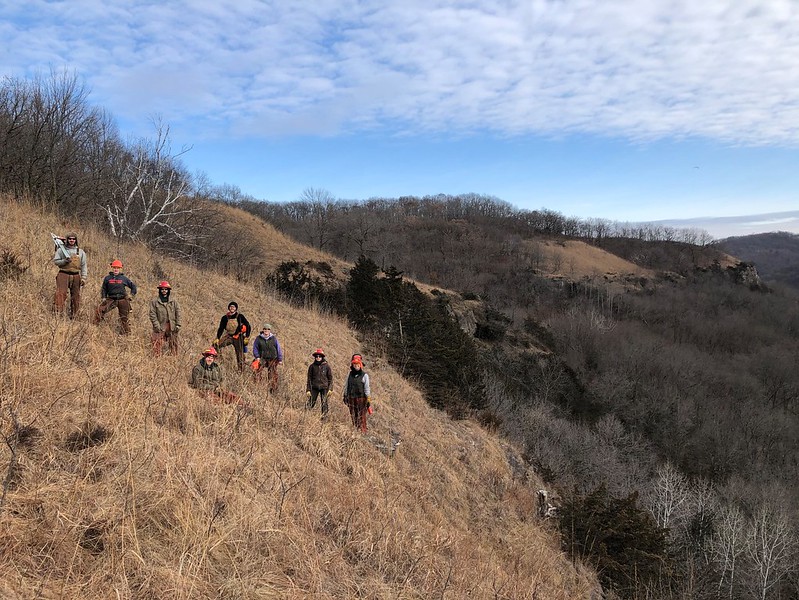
319 382
357 393
165 318
114 295
207 378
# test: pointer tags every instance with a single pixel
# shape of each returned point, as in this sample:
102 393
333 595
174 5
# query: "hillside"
776 255
652 380
120 482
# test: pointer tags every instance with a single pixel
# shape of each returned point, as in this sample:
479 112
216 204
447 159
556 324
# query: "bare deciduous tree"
149 198
770 546
727 547
320 201
669 499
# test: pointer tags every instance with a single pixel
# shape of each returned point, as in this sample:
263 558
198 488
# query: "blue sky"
630 111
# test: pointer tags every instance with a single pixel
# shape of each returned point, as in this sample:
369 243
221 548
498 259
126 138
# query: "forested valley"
674 392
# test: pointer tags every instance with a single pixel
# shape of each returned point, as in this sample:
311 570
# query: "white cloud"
636 70
722 227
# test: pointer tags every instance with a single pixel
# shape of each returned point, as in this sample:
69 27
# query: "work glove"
215 342
177 328
246 340
368 401
82 282
308 393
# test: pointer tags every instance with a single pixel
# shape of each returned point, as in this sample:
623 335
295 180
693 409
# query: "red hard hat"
116 263
210 352
164 285
318 351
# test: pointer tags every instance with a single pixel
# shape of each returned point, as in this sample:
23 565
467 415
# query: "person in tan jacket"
72 273
165 319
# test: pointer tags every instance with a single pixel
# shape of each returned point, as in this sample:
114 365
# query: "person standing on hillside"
319 382
114 295
357 393
165 319
72 273
234 330
269 355
207 378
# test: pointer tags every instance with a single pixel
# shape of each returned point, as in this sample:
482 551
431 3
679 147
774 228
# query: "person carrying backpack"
319 382
114 295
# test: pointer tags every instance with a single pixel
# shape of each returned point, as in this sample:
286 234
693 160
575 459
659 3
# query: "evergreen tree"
422 340
363 292
621 541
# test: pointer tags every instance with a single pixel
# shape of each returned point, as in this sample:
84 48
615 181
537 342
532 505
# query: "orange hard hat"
116 263
210 352
164 285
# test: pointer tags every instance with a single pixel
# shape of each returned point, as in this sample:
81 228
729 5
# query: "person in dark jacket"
234 330
207 378
114 295
357 393
268 355
72 273
320 382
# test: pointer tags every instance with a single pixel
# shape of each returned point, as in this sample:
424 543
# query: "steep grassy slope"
119 482
253 248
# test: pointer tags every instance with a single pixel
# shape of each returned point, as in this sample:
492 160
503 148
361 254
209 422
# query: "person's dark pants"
165 336
66 283
322 395
358 412
123 305
271 373
238 345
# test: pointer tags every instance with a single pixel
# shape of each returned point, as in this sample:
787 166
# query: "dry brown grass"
574 260
266 247
120 482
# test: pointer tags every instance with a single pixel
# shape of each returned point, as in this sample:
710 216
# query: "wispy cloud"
721 227
716 69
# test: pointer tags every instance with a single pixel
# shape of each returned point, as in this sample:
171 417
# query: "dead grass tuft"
87 436
11 266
